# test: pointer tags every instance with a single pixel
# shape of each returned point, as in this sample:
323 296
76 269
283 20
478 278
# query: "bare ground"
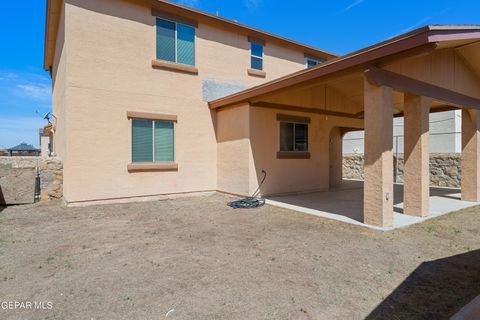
196 258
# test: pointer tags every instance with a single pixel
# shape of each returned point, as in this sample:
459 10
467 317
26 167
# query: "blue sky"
339 26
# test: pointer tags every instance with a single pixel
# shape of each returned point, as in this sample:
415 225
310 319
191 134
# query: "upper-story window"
175 42
256 51
311 62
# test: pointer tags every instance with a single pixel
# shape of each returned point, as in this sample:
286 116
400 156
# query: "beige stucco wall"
107 71
59 81
249 139
292 175
234 150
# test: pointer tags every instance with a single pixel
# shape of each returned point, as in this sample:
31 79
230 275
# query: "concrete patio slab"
345 204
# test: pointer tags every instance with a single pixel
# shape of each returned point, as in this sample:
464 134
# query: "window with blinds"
152 141
175 42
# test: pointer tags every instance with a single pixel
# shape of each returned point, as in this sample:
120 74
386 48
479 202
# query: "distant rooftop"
23 147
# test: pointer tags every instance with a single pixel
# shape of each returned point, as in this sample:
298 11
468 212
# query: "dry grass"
204 260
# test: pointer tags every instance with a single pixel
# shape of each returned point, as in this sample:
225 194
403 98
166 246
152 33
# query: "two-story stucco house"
132 81
151 98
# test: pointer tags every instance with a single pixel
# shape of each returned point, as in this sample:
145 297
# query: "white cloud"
15 130
189 3
17 87
24 77
421 22
5 76
22 92
252 4
354 4
37 91
12 123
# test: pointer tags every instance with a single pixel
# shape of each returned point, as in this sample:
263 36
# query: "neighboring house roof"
23 147
54 9
426 38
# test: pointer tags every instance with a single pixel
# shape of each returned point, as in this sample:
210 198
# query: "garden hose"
252 202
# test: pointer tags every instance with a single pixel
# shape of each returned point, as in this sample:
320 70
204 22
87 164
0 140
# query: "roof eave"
404 42
52 17
426 36
46 65
450 34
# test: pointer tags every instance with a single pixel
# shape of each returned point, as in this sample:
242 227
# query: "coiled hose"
252 202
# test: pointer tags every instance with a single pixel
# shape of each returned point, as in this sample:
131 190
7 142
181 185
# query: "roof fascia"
366 56
52 18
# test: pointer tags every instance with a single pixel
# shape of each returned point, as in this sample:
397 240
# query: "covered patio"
345 203
432 69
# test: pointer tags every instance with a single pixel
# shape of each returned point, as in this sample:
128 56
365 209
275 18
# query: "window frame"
294 123
153 121
318 61
176 42
252 43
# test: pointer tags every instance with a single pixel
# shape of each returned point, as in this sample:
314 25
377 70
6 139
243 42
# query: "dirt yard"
198 259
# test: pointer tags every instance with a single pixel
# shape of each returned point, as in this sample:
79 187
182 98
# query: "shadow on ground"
2 201
435 290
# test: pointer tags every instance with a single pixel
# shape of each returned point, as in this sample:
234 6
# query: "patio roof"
432 69
419 41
